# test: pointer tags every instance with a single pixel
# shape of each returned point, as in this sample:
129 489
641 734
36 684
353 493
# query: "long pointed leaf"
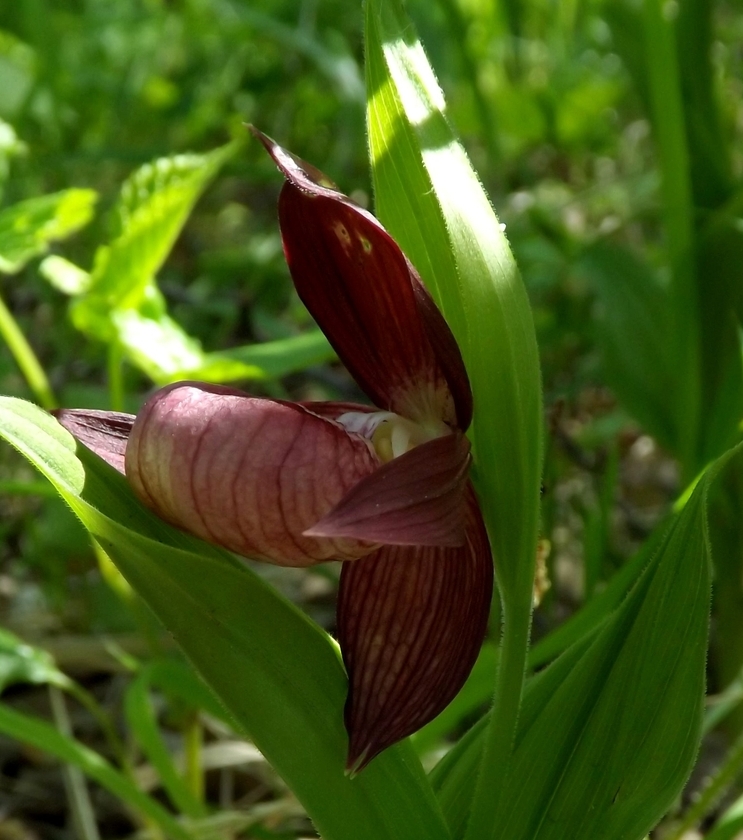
277 673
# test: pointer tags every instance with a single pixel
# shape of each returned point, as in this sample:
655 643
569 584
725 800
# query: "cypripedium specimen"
384 487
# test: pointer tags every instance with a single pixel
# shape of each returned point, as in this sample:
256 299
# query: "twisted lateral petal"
248 474
416 499
368 299
105 432
410 623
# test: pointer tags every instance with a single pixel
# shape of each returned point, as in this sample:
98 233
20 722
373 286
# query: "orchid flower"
384 488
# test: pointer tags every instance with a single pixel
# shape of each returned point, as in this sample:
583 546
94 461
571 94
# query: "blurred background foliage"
567 110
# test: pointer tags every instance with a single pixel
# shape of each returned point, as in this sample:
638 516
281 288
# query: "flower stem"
25 358
116 376
504 715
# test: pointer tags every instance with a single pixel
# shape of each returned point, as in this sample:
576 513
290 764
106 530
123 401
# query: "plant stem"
722 779
194 774
25 358
501 730
116 376
83 817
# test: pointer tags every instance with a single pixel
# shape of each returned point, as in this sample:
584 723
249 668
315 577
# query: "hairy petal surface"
249 474
416 499
410 623
368 299
105 432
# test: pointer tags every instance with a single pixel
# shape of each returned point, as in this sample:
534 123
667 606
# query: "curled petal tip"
298 171
104 432
368 299
410 623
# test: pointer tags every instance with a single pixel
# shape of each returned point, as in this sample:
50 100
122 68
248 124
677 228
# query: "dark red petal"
368 299
416 499
245 473
410 623
105 432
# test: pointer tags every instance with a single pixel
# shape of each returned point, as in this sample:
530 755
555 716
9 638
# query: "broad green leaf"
612 744
152 209
429 198
632 332
28 228
143 724
452 777
177 679
46 738
23 663
278 675
598 608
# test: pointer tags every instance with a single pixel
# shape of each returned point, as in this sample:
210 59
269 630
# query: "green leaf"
28 228
152 209
709 148
632 331
178 679
23 663
452 776
667 106
142 721
46 738
166 353
429 198
278 675
277 358
612 743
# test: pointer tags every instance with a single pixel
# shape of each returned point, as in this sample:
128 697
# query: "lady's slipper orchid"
383 488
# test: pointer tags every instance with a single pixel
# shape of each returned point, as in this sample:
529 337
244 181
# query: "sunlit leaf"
28 228
152 209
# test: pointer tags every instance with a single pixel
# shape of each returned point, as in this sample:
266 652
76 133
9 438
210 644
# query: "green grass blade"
143 725
46 738
667 111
